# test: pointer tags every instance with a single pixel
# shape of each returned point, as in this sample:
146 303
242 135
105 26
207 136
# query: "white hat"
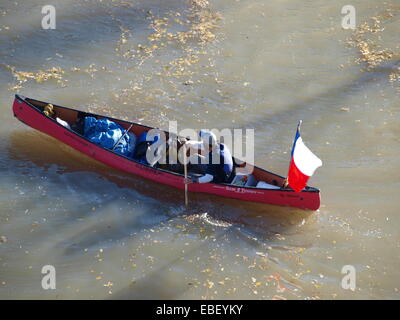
208 138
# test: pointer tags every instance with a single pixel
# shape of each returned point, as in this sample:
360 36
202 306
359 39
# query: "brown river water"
218 64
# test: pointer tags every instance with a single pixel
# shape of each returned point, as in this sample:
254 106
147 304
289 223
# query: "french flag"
302 165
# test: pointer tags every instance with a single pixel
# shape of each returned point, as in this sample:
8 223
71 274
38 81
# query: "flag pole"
299 124
297 131
286 182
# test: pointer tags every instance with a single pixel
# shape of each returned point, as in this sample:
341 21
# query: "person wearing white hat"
214 160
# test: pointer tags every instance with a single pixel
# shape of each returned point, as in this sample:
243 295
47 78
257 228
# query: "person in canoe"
212 160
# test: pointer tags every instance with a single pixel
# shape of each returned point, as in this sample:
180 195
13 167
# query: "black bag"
141 149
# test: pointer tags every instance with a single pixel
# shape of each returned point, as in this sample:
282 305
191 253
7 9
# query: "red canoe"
30 112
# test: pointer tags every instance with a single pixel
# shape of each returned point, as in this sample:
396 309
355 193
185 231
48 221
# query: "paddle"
186 175
182 142
115 145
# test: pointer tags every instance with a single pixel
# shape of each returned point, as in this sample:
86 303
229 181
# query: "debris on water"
39 76
3 239
200 3
371 51
262 254
209 284
278 298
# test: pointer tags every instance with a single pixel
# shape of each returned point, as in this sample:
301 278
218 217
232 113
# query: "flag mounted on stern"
302 164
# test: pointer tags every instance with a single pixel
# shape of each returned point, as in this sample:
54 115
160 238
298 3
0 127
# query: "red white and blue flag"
302 165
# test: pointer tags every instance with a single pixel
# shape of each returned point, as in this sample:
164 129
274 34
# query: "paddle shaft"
186 175
119 140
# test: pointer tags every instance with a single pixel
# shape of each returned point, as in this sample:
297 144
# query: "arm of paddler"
195 145
205 179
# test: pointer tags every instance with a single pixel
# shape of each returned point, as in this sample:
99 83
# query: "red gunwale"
28 111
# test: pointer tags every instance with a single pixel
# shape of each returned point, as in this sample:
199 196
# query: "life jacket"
222 172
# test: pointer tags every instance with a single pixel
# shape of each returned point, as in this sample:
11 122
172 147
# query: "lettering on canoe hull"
238 190
251 191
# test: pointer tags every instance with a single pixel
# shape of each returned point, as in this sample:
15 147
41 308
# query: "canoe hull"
25 112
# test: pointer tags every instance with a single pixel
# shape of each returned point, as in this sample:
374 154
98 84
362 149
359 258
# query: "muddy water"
223 64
